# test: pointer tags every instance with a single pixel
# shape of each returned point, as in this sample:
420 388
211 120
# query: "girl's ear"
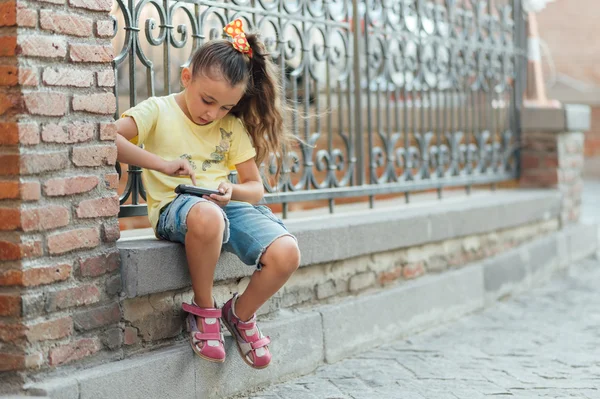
186 77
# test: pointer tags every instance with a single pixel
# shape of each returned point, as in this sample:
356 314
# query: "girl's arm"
250 189
130 153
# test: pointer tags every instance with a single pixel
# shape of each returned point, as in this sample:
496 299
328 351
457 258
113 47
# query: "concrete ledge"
150 266
533 263
422 303
329 332
568 118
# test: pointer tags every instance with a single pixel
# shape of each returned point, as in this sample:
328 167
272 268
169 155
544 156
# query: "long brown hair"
261 108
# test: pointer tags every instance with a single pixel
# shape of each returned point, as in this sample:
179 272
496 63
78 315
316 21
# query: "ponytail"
261 108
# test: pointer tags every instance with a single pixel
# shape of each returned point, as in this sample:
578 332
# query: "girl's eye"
205 101
226 109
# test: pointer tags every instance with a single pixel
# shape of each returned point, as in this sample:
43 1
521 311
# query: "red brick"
10 305
9 164
74 351
12 361
10 251
110 231
44 162
413 270
43 46
539 178
67 77
47 104
70 185
45 218
28 77
15 251
35 276
98 265
105 28
8 46
69 24
30 191
97 155
9 74
75 133
390 275
8 13
89 319
130 336
31 249
98 207
70 297
13 133
9 133
530 160
12 332
551 160
90 53
52 329
11 103
29 134
94 5
60 243
100 103
9 189
26 18
111 181
108 131
106 78
10 219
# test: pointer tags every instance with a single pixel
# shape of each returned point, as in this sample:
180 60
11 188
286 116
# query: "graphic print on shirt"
219 154
188 157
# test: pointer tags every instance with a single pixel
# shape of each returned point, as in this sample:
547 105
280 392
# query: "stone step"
305 339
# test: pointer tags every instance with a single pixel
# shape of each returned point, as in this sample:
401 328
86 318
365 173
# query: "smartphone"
193 190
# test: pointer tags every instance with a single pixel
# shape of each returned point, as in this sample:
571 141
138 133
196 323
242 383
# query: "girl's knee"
205 220
282 255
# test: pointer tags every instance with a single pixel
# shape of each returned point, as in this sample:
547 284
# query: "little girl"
228 115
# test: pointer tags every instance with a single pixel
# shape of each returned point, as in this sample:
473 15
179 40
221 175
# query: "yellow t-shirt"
213 150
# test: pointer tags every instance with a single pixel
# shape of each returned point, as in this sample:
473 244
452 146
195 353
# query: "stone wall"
151 321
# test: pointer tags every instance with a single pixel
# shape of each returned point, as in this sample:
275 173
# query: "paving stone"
543 344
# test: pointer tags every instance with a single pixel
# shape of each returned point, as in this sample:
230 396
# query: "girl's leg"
279 262
203 247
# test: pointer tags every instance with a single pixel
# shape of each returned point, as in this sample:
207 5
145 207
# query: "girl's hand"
222 200
178 167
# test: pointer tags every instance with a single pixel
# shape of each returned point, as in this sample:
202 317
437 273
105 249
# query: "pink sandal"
251 344
208 343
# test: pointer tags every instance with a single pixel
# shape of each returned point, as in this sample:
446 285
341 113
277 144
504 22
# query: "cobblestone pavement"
542 344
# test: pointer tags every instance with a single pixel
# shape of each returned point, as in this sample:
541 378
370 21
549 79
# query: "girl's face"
208 99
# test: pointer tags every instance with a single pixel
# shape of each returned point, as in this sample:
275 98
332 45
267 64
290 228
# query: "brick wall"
58 203
551 159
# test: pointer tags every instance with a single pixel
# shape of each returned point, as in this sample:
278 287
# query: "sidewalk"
544 344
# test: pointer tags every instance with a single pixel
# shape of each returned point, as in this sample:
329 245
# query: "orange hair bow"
240 42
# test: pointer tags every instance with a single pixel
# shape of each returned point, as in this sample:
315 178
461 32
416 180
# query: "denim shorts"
249 229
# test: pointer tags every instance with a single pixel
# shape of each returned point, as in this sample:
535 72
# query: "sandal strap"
260 343
246 325
202 312
209 336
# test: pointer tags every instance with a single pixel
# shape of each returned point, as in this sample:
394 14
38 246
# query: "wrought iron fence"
406 95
